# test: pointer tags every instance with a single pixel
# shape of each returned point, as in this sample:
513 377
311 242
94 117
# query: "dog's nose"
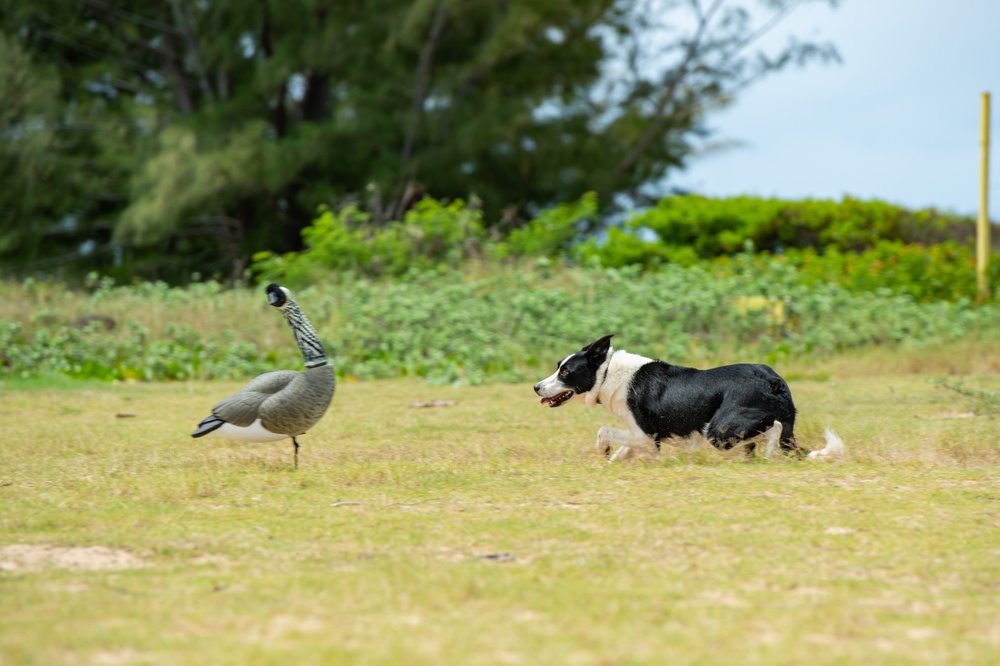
536 387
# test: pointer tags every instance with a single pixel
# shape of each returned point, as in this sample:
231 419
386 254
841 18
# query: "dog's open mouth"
558 399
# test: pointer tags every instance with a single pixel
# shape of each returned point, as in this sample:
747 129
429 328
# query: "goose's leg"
295 441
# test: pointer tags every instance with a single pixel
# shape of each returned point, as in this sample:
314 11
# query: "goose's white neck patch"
255 432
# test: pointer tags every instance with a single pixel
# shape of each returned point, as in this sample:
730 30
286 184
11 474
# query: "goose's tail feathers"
209 424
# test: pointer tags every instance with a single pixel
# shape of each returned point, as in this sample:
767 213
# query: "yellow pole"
983 226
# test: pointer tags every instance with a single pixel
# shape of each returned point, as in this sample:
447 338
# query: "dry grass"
55 304
489 533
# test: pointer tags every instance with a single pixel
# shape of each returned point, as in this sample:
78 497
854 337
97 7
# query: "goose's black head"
276 295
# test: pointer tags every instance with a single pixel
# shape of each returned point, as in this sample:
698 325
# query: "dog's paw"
603 445
623 453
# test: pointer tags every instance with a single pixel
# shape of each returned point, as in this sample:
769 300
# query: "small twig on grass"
345 503
984 402
497 557
429 499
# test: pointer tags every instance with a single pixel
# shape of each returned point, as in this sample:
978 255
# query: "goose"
280 404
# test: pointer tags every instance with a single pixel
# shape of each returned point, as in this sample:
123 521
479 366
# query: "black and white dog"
729 406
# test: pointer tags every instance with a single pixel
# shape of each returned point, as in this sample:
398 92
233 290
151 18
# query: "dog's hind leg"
772 440
626 440
743 428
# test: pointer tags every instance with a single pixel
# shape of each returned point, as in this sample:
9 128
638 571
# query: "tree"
204 131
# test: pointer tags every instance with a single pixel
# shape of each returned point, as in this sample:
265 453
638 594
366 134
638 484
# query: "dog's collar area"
607 367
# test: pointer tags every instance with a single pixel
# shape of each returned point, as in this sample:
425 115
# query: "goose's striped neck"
305 335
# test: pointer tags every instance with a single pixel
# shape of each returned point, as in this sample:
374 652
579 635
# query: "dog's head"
576 374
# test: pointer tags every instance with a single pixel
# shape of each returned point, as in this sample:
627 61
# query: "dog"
729 406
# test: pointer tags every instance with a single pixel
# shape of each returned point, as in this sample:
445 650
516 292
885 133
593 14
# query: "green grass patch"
489 532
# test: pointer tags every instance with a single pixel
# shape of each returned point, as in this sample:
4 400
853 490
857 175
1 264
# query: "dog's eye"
564 373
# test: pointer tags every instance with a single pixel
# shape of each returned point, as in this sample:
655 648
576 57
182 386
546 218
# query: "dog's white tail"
834 449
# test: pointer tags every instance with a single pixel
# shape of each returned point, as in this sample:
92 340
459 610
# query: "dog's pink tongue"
545 400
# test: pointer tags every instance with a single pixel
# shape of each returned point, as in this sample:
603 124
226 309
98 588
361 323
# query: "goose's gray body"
281 404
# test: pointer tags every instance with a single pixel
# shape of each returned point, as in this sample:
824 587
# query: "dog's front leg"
606 438
626 440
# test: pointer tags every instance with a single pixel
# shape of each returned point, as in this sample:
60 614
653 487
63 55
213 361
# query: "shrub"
862 246
715 227
505 325
552 232
622 248
938 272
432 234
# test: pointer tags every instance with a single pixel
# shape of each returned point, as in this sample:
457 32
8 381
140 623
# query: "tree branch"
159 26
190 39
420 87
267 44
660 115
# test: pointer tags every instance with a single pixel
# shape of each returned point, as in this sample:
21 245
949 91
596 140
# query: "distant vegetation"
167 138
862 246
439 296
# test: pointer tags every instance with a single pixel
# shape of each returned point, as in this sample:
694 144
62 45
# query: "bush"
938 272
716 227
862 246
95 354
431 234
552 232
621 249
504 326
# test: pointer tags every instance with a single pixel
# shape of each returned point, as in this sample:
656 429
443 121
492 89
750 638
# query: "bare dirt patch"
26 557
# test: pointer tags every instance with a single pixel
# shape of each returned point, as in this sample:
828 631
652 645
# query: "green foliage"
552 231
621 249
29 148
432 234
725 226
447 327
156 140
184 179
862 246
938 272
94 354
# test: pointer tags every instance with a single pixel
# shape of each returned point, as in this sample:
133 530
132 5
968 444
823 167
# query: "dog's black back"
726 404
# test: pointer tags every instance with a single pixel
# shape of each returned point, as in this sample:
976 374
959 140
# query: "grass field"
489 532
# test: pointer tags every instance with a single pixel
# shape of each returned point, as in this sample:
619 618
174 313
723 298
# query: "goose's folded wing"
243 408
302 404
271 382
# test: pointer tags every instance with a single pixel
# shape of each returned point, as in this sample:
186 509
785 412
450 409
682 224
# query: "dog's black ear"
597 351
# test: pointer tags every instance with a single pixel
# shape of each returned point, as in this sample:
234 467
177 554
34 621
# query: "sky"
899 119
